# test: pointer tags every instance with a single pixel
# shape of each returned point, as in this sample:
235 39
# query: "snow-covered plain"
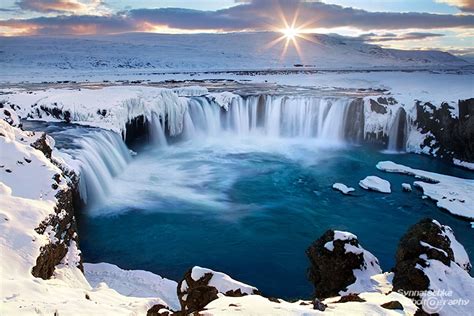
79 58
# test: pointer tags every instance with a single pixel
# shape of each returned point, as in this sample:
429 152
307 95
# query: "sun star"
290 33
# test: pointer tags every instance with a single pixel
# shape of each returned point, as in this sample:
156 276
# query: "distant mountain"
201 52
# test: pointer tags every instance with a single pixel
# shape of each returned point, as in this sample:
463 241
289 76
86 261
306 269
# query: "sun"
290 33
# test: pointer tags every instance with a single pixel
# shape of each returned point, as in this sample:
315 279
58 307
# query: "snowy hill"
144 52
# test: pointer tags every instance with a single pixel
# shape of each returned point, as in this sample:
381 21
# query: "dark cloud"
247 15
386 37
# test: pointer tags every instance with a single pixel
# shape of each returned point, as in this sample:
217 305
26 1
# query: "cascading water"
398 132
102 155
275 116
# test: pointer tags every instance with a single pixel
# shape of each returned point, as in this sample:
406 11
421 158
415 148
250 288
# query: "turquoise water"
251 208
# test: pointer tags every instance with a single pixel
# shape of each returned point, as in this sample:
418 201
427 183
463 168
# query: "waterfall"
102 155
157 132
271 116
398 132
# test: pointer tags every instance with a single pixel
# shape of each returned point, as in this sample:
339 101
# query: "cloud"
464 5
389 37
258 15
61 6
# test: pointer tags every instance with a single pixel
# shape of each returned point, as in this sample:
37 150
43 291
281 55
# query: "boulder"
200 286
159 310
429 259
339 265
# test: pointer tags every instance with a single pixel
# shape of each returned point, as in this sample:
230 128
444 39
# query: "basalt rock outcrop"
428 255
334 258
201 286
63 228
450 136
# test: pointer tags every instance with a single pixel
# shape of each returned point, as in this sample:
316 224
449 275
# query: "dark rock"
377 107
198 293
42 145
64 227
392 305
318 305
155 310
194 295
332 271
411 253
273 299
451 137
351 298
137 131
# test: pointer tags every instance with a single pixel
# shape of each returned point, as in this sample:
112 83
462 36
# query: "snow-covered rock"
201 286
339 265
406 187
375 183
450 193
344 189
432 268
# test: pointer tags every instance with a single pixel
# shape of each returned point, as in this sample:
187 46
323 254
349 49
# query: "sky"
408 24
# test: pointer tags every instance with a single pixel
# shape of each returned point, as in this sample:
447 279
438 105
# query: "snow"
136 283
343 188
22 210
21 163
258 305
190 91
224 99
221 281
340 235
460 255
465 164
454 284
69 58
450 193
375 183
364 276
